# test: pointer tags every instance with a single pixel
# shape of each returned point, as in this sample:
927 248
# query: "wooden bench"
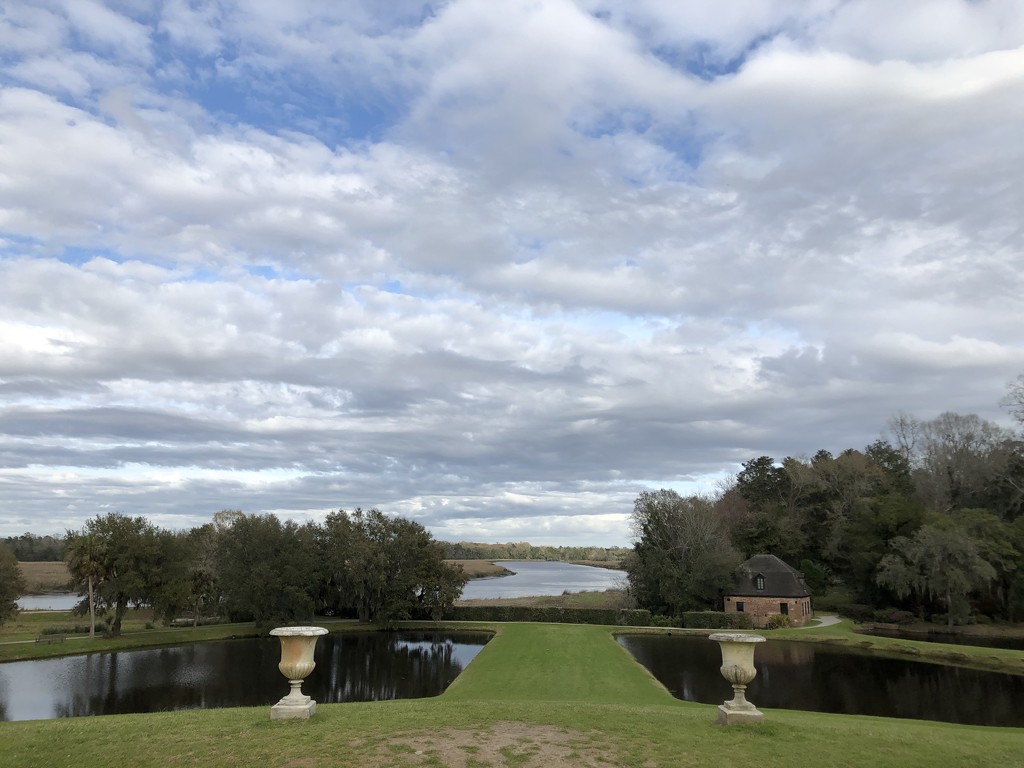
50 639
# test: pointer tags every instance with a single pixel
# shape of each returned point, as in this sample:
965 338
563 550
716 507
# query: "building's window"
759 581
739 607
784 609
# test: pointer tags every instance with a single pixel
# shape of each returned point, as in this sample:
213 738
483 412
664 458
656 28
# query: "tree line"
926 523
29 548
259 568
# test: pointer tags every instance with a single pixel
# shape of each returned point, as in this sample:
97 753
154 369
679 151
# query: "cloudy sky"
495 266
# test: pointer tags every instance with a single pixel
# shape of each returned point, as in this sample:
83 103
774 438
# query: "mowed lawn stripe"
556 662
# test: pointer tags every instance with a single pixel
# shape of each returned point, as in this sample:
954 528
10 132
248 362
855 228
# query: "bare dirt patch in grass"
503 745
45 577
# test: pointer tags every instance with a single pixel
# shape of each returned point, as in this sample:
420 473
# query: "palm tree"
87 564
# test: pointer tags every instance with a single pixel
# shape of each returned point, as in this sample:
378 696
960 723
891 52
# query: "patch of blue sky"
678 136
77 256
612 123
203 275
706 60
332 111
262 270
14 244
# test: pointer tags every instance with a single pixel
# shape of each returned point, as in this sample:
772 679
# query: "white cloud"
496 271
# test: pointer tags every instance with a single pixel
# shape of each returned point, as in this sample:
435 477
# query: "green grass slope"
537 695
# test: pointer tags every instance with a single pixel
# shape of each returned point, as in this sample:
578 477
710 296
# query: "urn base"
727 716
289 710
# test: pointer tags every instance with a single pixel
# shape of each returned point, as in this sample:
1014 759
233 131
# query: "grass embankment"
843 634
41 578
537 695
480 569
17 636
614 565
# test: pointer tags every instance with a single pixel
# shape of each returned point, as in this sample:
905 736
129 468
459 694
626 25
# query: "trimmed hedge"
717 620
858 612
624 617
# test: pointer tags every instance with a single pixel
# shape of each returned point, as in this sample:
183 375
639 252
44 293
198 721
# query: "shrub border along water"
615 617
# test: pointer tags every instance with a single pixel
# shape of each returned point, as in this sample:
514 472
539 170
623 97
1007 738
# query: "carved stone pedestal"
297 645
738 668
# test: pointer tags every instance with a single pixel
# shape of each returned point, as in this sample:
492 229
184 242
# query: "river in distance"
531 578
534 578
359 666
820 678
60 601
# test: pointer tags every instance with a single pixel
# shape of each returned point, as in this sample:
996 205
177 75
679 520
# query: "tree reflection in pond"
821 678
235 673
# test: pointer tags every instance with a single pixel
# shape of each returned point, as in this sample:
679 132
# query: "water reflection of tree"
184 677
364 667
393 666
4 717
823 679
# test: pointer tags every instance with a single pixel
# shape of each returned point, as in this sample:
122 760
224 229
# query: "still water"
794 675
534 577
234 673
56 602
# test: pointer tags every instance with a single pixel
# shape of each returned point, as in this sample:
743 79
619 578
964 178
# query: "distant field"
45 577
478 569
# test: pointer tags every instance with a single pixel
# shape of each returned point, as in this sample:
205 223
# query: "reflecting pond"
234 673
538 577
820 678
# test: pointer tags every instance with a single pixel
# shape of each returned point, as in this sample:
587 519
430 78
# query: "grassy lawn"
976 657
537 695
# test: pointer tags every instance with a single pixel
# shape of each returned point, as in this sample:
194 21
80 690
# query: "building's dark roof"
780 580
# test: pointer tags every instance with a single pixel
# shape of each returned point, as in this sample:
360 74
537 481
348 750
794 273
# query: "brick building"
768 587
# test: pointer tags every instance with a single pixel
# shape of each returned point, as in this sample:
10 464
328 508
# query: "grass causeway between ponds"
536 695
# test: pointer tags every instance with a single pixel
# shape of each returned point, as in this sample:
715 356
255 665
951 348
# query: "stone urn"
297 645
738 668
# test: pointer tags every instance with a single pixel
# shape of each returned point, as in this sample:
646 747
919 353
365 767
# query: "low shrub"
658 620
66 629
778 621
894 616
205 621
717 620
835 600
857 612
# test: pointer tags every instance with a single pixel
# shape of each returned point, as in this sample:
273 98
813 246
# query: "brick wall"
761 608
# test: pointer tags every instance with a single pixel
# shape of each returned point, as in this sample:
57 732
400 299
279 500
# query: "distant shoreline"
492 569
